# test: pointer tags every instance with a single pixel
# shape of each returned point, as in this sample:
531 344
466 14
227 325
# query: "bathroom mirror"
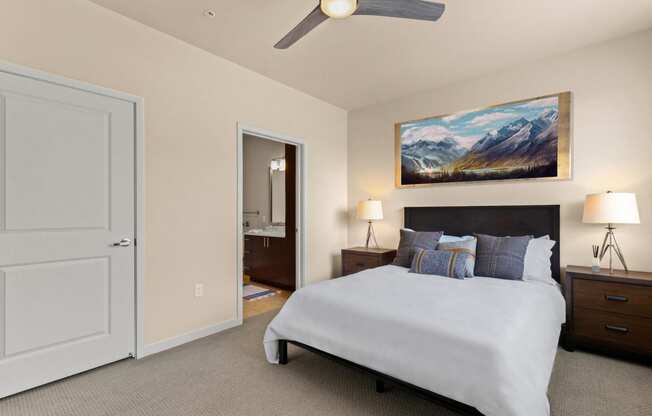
277 191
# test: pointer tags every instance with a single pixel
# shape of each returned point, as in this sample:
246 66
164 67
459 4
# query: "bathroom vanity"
266 259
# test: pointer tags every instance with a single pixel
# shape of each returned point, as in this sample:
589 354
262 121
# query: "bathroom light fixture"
277 164
339 9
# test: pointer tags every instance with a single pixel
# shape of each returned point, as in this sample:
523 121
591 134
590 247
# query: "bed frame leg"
568 345
380 386
282 352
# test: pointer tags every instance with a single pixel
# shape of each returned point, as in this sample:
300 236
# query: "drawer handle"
615 298
360 264
619 329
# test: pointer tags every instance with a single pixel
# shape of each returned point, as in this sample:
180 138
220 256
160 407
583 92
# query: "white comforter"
489 343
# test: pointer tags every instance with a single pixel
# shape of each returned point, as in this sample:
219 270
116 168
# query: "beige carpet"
227 374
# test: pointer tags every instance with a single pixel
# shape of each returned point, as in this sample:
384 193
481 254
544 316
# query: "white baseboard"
166 344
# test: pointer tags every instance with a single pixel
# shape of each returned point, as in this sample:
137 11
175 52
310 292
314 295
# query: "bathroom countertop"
273 233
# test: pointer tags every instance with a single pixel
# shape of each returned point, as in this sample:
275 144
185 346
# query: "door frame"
300 207
139 176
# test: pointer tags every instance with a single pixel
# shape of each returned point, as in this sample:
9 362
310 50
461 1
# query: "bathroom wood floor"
260 306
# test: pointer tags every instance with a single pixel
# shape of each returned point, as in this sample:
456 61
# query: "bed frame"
536 220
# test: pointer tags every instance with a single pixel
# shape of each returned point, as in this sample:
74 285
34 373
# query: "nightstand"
609 312
358 259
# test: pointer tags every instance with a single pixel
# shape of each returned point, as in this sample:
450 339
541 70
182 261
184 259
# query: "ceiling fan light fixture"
339 9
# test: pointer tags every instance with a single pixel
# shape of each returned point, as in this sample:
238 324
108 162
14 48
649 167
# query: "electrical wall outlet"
199 290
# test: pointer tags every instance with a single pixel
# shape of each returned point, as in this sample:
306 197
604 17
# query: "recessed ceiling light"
209 13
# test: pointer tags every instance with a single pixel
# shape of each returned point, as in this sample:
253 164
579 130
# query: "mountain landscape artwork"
519 140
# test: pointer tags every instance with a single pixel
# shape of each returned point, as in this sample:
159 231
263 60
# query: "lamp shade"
611 208
370 210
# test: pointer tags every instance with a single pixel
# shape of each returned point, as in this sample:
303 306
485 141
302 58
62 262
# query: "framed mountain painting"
528 139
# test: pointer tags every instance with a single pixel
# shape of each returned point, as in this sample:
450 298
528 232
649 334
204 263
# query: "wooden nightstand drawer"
613 297
354 263
357 259
631 332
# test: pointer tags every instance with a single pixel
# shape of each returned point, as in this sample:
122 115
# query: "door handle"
125 242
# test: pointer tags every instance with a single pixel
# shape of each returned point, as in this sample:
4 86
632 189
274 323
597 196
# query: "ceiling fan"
339 9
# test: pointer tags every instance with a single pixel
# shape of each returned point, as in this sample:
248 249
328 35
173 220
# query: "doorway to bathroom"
270 231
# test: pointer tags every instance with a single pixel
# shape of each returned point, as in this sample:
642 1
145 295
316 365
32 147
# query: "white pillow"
537 260
449 239
453 238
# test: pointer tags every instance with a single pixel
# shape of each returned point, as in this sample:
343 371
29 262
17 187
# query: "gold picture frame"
563 157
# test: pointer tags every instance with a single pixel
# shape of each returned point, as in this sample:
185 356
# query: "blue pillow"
413 240
501 257
440 263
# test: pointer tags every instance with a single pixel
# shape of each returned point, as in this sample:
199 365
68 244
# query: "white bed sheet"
489 343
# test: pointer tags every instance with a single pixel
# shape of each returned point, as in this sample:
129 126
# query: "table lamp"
370 210
611 208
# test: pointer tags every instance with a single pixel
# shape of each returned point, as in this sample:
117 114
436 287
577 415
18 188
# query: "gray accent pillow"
440 263
464 245
410 241
501 257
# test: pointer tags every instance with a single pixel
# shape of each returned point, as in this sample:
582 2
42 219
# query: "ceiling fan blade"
302 29
406 9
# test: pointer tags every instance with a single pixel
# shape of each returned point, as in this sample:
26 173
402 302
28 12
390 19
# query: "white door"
66 196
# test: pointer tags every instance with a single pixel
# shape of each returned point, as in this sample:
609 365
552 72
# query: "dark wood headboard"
536 220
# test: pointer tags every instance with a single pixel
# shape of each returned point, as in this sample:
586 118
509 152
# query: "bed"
479 346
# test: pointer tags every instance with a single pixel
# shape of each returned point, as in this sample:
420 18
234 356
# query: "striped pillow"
440 263
463 245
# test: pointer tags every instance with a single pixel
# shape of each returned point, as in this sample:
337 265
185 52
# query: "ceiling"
365 60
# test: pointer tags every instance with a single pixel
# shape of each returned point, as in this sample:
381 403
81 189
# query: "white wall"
612 138
193 102
258 154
